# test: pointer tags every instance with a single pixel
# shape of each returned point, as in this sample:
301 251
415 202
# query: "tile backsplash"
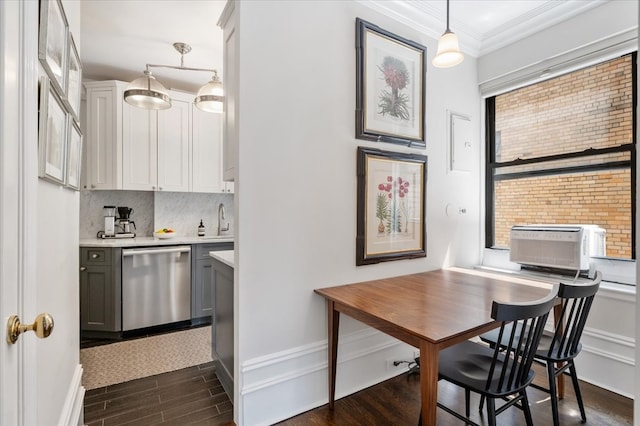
152 210
184 210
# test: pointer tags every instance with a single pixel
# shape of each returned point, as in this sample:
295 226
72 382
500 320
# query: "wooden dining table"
430 311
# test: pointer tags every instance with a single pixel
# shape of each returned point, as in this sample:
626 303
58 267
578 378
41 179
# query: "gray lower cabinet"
222 327
201 284
100 289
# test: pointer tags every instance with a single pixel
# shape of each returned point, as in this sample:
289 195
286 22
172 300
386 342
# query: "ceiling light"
209 97
448 54
147 92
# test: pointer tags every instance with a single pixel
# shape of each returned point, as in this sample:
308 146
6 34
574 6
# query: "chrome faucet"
220 219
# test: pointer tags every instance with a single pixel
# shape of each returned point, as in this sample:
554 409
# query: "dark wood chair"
559 348
500 373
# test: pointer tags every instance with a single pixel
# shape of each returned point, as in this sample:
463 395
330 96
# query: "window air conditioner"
557 246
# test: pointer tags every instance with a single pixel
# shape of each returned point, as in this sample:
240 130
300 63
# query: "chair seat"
555 356
543 348
467 364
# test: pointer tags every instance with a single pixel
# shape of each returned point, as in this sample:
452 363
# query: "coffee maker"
122 223
109 213
125 223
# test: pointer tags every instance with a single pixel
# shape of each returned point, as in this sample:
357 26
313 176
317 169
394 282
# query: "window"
562 151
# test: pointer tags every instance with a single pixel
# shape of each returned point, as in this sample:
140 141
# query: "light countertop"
225 256
152 241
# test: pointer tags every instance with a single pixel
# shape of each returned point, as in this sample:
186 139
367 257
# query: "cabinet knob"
160 188
83 268
93 186
95 256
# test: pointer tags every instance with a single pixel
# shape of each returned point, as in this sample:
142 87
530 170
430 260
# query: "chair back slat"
523 324
577 301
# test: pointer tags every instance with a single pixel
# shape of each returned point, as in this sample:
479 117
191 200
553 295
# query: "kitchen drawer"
202 250
95 256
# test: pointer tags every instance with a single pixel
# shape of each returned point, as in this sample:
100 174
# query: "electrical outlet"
391 366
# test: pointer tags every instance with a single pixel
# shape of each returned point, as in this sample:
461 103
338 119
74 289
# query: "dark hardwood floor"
191 396
194 396
397 402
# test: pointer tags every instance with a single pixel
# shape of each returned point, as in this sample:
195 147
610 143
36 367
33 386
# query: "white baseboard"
278 386
281 385
72 411
607 361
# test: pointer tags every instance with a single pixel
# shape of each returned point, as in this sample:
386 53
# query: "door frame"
19 70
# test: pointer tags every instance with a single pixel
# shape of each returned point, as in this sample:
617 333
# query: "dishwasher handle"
156 251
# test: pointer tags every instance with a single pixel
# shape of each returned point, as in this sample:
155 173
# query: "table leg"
557 319
333 319
429 382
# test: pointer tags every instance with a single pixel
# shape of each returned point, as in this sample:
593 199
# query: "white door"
16 278
39 378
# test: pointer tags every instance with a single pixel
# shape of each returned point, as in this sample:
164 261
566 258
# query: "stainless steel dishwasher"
156 286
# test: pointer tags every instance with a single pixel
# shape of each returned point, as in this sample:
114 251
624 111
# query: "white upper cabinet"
139 148
228 23
207 152
174 147
176 150
103 140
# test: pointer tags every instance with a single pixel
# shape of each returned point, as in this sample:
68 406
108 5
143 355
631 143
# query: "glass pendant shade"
146 92
210 96
448 54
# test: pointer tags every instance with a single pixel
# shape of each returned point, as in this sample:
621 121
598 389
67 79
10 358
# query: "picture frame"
391 206
74 79
52 134
390 87
53 44
74 154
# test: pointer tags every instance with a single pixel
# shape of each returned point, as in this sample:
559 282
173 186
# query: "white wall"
57 277
608 356
296 198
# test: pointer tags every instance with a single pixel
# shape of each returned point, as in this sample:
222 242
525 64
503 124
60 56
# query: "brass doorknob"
42 326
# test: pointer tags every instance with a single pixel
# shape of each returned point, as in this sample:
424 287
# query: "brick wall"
580 110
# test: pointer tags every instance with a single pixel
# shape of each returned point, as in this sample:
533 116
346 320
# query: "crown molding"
429 18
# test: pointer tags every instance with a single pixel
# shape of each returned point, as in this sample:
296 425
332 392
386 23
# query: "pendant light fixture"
147 92
210 96
448 54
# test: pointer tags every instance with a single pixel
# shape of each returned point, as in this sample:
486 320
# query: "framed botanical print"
74 153
52 134
52 44
74 79
390 206
390 86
